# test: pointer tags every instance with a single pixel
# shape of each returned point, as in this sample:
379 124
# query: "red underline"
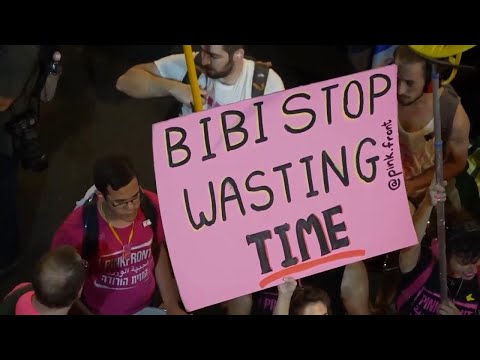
310 264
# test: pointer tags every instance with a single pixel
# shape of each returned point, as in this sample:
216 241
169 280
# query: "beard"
406 101
214 74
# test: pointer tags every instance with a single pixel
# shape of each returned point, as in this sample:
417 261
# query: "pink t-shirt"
116 285
24 304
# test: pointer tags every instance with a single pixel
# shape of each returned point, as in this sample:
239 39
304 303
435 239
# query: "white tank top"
417 149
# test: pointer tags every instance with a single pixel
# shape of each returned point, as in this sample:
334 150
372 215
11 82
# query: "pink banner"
289 184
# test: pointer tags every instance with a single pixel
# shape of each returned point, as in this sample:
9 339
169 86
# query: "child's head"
462 241
463 250
310 301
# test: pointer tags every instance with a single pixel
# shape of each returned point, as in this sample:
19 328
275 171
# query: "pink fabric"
24 305
116 285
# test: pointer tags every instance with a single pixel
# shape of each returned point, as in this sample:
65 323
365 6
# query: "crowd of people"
110 255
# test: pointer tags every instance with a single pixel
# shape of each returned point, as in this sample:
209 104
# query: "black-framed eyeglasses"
136 198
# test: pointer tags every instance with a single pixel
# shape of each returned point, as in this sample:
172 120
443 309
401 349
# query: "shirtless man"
416 131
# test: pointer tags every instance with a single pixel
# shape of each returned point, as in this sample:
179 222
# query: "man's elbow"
457 165
121 84
5 103
132 84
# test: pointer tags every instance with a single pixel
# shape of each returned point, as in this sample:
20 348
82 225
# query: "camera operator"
23 75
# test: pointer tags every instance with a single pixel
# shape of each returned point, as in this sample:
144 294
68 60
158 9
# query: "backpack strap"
150 213
9 304
260 77
449 102
90 228
417 284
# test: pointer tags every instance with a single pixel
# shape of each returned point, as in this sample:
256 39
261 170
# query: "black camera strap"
34 73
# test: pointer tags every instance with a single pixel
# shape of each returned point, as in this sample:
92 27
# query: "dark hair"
462 233
406 55
306 295
58 277
230 49
116 171
464 241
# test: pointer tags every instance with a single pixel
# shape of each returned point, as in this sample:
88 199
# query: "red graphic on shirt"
212 103
407 160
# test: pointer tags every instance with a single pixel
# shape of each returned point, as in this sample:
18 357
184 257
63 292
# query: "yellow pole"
192 76
436 52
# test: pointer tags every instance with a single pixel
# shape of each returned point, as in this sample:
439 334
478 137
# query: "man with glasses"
123 273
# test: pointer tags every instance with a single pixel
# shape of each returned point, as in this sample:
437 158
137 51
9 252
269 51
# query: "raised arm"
167 284
408 257
144 82
285 292
354 289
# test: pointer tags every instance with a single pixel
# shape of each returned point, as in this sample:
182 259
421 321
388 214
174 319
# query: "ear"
99 195
239 54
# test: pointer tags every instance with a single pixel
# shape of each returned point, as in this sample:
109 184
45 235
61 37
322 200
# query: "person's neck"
234 75
45 310
420 103
452 275
110 217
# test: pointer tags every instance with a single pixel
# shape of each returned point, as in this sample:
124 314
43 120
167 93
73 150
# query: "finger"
442 308
450 304
439 188
204 96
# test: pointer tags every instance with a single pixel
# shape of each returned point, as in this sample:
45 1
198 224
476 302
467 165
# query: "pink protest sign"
289 184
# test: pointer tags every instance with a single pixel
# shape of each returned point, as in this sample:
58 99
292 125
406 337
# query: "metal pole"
192 76
439 176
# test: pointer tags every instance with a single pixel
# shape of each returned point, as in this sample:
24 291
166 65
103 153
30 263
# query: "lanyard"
130 237
125 247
